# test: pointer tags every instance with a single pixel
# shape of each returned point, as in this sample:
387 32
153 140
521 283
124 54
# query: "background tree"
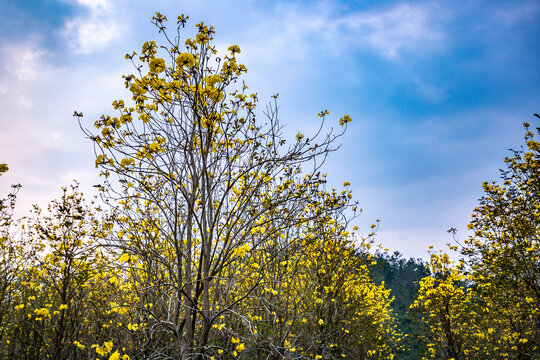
444 301
62 283
319 302
504 253
488 306
9 263
402 276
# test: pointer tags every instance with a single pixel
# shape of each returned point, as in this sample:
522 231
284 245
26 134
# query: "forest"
213 237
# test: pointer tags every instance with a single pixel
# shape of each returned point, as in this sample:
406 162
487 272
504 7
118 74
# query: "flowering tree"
213 209
504 253
61 283
444 302
488 307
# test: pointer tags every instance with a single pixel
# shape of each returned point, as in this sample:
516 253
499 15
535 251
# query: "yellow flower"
185 59
234 49
99 160
115 356
42 312
212 80
108 345
345 119
127 162
157 65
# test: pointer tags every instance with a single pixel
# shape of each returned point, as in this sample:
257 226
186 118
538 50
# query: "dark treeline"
402 277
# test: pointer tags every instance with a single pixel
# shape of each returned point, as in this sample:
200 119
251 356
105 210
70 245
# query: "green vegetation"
402 277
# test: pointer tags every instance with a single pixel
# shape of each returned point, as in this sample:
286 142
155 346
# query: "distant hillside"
402 276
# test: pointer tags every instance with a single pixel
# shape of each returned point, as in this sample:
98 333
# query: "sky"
437 91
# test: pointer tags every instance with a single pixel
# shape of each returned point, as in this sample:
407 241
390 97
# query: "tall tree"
206 196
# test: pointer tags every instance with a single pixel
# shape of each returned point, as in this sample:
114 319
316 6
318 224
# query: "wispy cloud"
39 138
515 13
94 30
402 28
389 32
21 66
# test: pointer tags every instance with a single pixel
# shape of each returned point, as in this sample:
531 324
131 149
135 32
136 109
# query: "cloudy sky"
437 91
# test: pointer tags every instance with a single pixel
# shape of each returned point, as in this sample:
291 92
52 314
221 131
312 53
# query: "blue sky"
437 91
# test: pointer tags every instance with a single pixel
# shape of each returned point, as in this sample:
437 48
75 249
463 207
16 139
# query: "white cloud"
21 66
296 32
21 62
95 4
39 139
95 30
26 61
392 31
